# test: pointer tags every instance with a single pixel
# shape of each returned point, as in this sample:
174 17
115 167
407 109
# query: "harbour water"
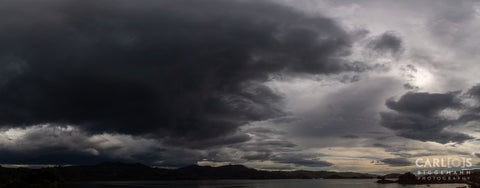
284 183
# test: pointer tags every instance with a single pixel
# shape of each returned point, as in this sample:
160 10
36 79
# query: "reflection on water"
290 183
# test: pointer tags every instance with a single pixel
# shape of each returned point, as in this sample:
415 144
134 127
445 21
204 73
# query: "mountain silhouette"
137 171
118 171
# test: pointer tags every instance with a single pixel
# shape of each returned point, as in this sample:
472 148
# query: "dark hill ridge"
112 171
125 171
137 171
109 171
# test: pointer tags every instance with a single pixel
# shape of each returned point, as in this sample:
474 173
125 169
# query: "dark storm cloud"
52 156
474 92
46 144
473 113
350 136
258 157
63 156
387 42
279 143
396 162
181 71
425 104
282 152
417 117
265 149
381 145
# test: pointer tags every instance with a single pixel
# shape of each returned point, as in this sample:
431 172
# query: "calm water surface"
290 183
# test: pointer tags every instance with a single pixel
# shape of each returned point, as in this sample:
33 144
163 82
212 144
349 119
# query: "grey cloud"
417 117
448 17
182 72
309 163
280 143
396 162
426 104
381 145
53 156
283 153
409 86
474 92
258 157
275 168
309 160
422 128
350 79
206 143
54 144
264 150
388 42
472 113
350 136
349 111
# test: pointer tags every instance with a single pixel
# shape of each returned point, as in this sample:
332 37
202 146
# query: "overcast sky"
366 86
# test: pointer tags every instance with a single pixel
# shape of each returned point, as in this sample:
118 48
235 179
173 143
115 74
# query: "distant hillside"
125 171
111 171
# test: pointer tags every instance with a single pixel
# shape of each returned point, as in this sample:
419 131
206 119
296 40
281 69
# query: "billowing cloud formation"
473 112
425 104
180 71
53 144
176 82
417 116
387 42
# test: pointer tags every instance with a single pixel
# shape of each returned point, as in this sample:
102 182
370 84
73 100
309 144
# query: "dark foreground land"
109 171
115 171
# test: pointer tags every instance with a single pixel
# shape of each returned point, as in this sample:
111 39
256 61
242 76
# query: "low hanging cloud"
396 162
54 144
308 160
418 116
188 73
68 145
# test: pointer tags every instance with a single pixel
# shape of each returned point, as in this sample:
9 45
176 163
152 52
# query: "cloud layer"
316 85
179 71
